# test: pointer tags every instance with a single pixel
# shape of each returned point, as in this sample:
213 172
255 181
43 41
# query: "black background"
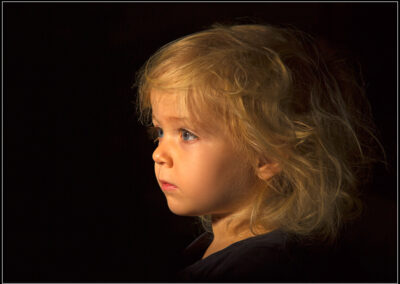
80 199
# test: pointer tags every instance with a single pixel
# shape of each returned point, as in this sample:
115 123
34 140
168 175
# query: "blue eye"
155 133
187 136
160 132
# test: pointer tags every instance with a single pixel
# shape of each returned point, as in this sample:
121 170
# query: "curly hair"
285 99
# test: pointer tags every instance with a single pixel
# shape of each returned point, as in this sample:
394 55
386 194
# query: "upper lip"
166 182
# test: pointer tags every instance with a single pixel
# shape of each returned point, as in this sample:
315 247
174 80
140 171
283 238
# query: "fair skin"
209 176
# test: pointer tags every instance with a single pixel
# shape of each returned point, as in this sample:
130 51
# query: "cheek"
213 174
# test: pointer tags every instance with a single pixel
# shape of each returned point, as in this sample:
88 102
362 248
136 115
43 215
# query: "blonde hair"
285 101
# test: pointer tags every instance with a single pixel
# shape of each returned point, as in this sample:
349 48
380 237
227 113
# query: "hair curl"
285 98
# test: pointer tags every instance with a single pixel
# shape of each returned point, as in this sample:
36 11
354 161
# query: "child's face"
209 176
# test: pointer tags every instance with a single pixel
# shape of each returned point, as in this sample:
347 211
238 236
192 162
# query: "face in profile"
197 169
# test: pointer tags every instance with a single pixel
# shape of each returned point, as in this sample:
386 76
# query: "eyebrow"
170 118
200 129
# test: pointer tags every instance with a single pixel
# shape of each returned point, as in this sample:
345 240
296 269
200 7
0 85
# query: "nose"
162 156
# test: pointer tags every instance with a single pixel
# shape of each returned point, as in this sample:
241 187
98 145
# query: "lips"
167 186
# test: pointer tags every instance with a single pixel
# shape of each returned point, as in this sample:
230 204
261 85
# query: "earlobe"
267 169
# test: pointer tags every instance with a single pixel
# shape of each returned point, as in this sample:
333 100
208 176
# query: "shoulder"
260 258
256 262
258 251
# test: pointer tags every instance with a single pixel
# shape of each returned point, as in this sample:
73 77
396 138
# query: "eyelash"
183 131
154 133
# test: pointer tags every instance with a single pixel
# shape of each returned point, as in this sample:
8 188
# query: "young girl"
263 136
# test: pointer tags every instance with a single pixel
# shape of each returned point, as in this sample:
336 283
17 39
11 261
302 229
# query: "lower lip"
168 187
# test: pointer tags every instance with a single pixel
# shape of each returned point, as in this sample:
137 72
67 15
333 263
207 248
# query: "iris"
187 136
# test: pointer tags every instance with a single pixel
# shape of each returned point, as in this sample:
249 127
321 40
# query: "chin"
182 210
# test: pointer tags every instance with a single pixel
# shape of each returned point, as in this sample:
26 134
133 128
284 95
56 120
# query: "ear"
267 169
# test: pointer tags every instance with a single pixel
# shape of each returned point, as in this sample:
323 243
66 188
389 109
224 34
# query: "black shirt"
263 258
364 252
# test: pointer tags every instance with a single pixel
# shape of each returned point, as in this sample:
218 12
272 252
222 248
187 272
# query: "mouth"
166 186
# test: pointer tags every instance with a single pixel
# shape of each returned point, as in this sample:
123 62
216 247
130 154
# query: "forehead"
168 104
172 106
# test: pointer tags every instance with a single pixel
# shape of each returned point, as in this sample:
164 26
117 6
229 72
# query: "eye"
155 133
160 132
187 135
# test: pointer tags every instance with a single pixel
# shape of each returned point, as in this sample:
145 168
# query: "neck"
235 225
227 230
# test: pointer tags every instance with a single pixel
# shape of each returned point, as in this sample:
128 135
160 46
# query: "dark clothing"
271 257
365 252
254 259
